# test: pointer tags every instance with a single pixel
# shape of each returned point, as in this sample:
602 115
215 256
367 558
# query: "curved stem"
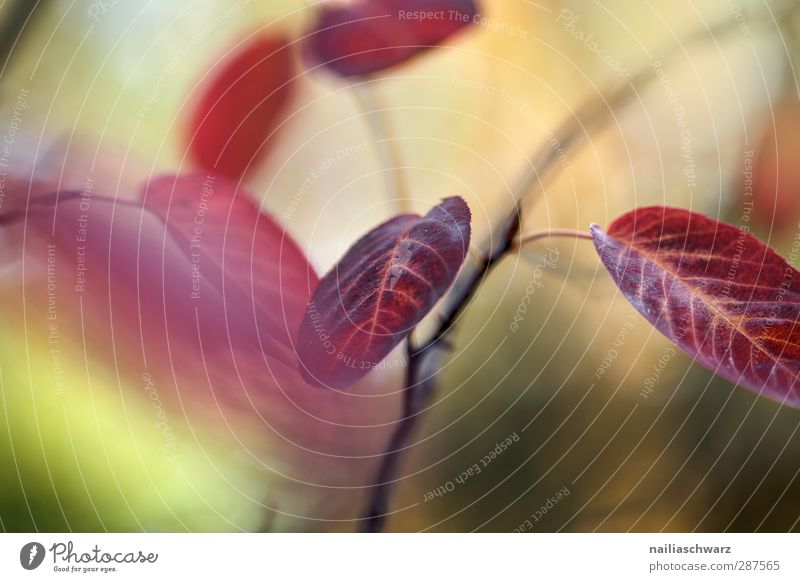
551 233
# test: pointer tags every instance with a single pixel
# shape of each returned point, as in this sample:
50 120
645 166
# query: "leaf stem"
551 233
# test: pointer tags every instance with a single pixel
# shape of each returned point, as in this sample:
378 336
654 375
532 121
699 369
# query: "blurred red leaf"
372 35
239 250
241 106
776 173
719 293
195 286
383 286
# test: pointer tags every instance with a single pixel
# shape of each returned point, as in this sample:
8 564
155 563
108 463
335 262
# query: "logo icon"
31 555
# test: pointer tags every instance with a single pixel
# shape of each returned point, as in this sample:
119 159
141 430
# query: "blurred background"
606 427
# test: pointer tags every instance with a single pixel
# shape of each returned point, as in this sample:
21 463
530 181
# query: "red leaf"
719 293
240 108
372 35
239 250
385 284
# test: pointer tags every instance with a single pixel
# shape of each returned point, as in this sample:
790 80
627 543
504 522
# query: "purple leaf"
238 250
368 36
385 284
720 294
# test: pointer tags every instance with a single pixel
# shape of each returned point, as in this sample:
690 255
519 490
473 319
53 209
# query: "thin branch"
415 399
424 363
551 233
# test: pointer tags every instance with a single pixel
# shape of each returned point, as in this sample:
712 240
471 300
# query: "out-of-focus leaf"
233 122
385 284
719 293
372 35
239 250
112 286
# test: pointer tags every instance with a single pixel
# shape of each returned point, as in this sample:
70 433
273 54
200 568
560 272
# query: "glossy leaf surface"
240 108
719 293
368 36
385 284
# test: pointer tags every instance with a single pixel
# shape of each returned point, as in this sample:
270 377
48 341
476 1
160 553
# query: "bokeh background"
611 429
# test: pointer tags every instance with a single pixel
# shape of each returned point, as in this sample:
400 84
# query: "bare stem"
551 233
424 362
415 399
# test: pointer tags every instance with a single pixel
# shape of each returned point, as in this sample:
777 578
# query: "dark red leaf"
241 106
372 35
719 293
240 251
385 284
